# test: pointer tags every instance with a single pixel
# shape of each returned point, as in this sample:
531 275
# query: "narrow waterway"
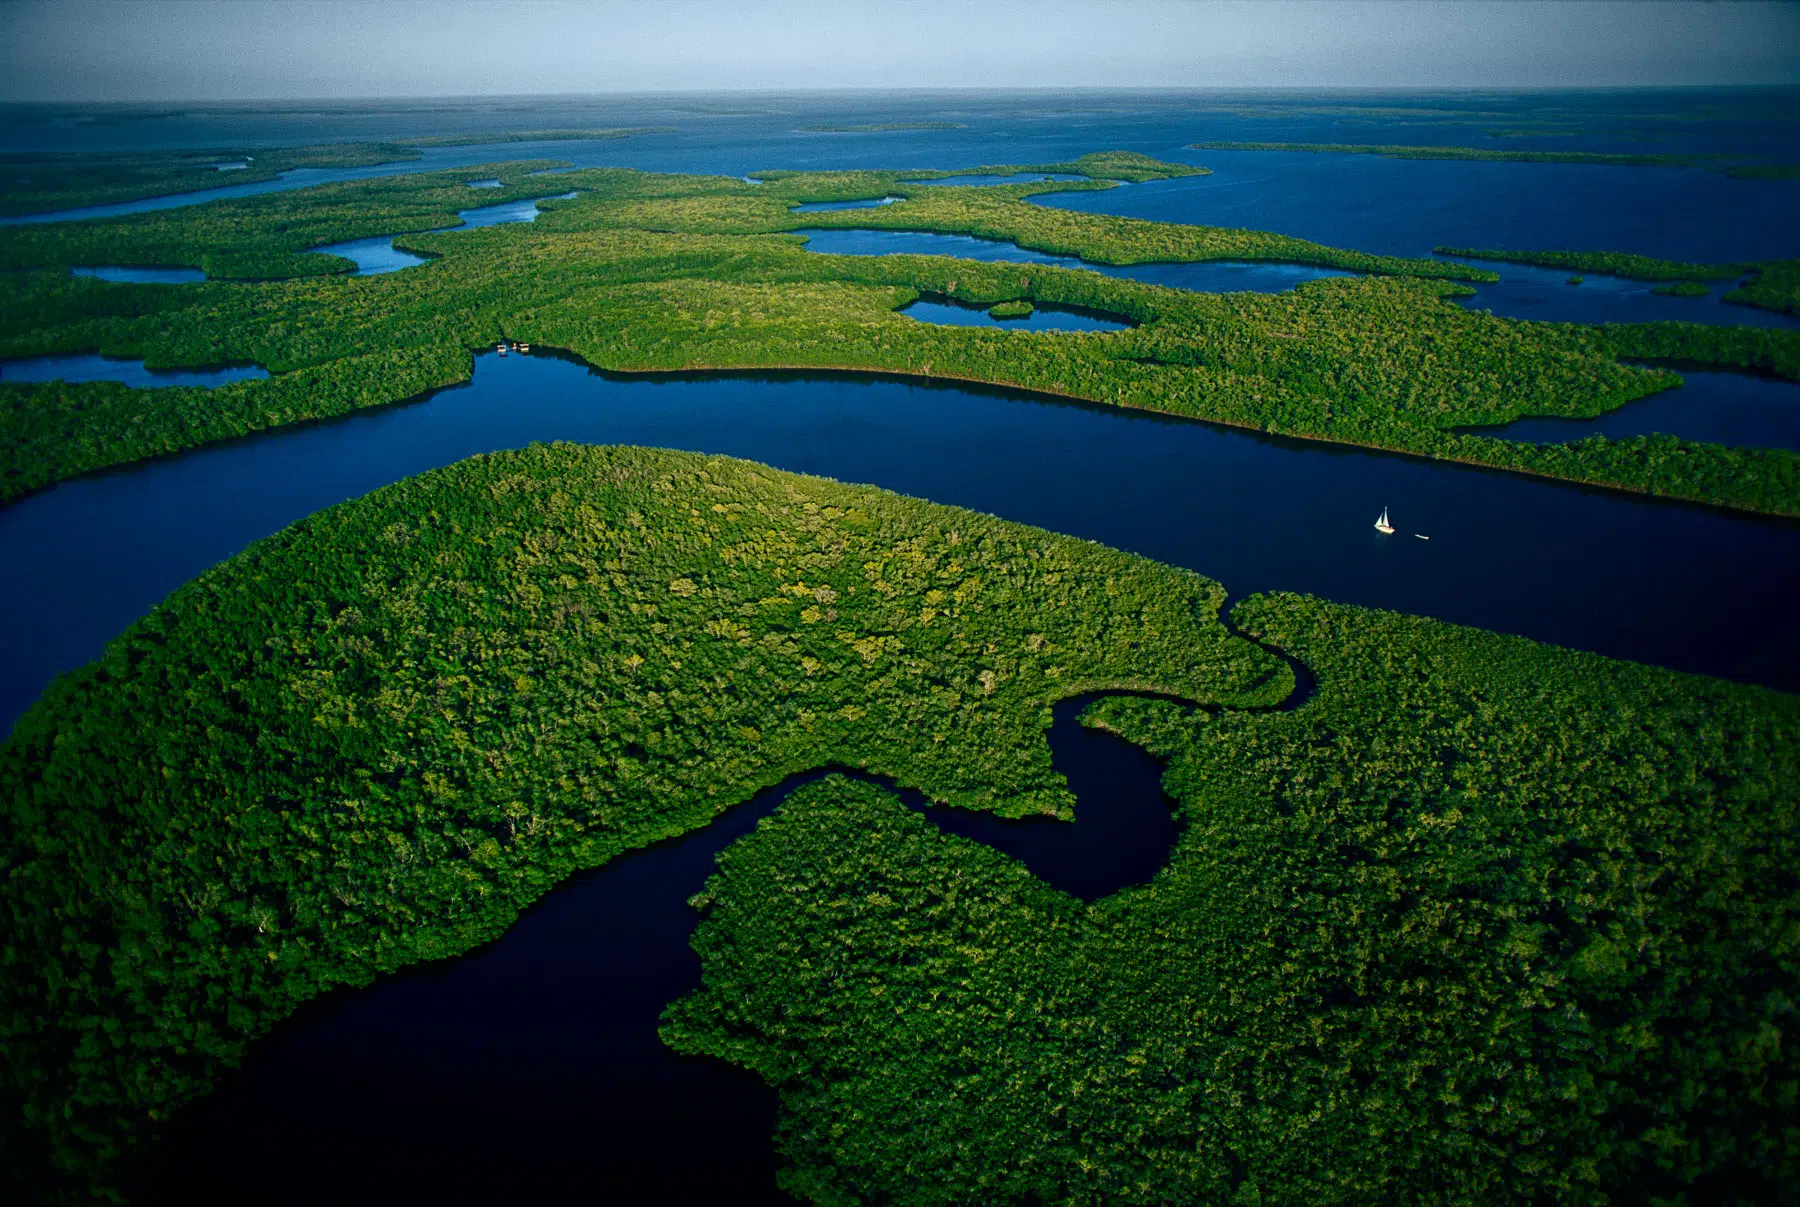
378 254
530 1070
89 366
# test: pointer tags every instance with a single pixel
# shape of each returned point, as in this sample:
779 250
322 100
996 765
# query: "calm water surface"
980 178
378 254
1625 576
91 367
1043 318
1725 408
403 1092
142 276
1219 276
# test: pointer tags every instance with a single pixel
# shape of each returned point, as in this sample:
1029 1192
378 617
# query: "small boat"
1421 536
1382 525
524 347
500 347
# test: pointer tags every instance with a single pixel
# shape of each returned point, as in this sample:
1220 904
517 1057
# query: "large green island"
642 273
1481 920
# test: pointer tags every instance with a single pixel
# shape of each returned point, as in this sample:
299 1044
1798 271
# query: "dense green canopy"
1482 920
644 272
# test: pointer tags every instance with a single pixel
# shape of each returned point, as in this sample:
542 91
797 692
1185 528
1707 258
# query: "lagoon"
1042 318
402 1091
1725 408
1214 276
378 254
1526 291
90 366
142 276
976 179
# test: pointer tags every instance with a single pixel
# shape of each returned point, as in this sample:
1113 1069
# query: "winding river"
1623 575
401 1093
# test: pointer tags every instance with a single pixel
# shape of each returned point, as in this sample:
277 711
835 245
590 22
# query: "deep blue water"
89 366
1522 292
378 254
1043 318
1407 207
143 276
432 1083
1725 408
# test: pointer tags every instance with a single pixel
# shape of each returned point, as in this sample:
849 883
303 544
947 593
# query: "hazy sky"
232 49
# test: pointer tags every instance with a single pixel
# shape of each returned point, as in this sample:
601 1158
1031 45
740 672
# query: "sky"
198 50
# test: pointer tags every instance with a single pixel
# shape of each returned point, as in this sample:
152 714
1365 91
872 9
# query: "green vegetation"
375 737
1609 263
268 236
1577 280
1020 309
1507 156
34 182
645 273
510 136
882 127
1682 289
1486 921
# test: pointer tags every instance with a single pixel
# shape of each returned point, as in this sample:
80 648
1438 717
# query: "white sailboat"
1382 525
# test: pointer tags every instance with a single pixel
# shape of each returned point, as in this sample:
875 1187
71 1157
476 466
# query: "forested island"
649 273
1533 943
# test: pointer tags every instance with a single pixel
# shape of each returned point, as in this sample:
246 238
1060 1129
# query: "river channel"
402 1092
1682 586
